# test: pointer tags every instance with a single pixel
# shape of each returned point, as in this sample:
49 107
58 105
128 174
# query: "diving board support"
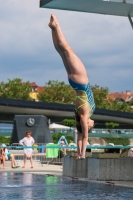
130 19
99 169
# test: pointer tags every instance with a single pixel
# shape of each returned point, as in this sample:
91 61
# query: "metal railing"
112 131
102 133
40 151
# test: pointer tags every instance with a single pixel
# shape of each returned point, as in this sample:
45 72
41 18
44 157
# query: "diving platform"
106 7
113 163
101 169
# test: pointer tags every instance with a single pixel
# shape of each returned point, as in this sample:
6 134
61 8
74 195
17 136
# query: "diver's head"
90 124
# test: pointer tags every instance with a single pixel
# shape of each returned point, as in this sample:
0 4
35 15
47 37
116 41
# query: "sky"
103 43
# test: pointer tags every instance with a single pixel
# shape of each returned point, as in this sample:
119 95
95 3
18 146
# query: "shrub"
118 141
57 136
5 140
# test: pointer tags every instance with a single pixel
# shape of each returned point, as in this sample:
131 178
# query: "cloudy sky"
103 43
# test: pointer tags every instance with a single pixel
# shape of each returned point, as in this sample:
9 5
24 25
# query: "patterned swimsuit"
86 88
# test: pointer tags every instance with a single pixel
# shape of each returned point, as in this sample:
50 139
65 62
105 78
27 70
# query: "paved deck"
45 168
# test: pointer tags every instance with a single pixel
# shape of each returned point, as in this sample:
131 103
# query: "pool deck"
55 170
38 168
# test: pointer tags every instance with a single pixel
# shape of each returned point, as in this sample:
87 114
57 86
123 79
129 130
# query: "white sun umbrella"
54 126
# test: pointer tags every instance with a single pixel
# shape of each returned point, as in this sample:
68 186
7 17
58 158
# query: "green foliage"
102 100
69 122
57 136
57 92
89 140
5 140
120 106
100 96
118 141
111 124
131 103
15 89
69 139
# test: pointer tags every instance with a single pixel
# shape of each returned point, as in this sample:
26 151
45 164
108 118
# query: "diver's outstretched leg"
77 69
60 52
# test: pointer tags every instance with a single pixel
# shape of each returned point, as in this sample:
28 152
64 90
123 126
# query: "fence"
39 153
112 131
102 133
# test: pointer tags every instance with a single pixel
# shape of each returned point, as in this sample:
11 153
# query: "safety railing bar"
71 147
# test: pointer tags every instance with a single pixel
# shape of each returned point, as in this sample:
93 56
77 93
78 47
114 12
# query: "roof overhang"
61 113
107 7
22 107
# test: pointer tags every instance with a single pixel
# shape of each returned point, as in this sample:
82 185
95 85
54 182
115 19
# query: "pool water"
22 186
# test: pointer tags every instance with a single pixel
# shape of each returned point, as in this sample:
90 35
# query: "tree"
100 96
69 122
131 102
111 125
15 89
118 141
57 136
57 92
5 140
102 100
120 106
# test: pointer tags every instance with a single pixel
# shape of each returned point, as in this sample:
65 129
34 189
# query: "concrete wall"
117 169
74 168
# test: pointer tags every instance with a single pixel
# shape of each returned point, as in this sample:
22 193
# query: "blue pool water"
22 186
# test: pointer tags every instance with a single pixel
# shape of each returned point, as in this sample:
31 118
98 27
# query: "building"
121 96
35 90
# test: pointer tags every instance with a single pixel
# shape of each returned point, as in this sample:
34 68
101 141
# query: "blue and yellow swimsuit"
86 88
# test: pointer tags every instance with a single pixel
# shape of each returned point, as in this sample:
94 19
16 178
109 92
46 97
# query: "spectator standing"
27 141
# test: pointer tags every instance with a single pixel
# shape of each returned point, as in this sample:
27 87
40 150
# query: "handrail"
72 147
